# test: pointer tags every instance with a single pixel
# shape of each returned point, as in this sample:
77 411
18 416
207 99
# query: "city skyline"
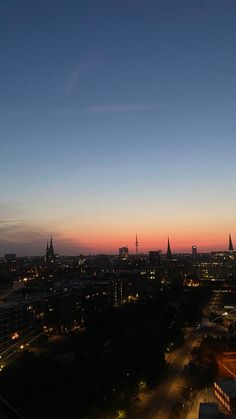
132 246
116 118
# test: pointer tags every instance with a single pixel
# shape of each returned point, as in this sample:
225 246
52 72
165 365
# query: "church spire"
50 255
136 244
231 247
169 254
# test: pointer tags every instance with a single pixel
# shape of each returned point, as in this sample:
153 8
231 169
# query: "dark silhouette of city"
116 335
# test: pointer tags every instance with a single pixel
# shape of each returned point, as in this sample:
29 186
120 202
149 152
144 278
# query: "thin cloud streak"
120 108
79 70
65 112
9 221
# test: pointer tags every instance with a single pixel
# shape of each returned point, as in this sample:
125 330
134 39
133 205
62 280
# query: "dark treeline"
98 372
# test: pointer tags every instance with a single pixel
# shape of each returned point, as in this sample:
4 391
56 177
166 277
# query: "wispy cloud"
65 112
9 221
20 237
10 211
78 71
120 108
15 114
24 239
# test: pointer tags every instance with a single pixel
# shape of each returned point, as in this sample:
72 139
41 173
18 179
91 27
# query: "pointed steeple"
168 254
136 244
47 250
231 247
50 255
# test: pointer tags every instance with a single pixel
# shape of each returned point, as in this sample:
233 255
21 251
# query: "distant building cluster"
56 294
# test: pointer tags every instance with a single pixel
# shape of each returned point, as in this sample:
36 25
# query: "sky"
117 117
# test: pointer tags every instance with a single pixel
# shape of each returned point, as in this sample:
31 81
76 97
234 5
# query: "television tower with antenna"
136 244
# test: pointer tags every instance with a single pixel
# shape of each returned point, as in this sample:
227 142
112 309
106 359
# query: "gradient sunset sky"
117 117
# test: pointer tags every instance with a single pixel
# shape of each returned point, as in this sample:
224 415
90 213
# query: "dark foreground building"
225 392
208 411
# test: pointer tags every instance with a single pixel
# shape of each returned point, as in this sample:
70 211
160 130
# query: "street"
163 399
159 404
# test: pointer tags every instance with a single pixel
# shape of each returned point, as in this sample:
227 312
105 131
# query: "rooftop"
228 386
208 411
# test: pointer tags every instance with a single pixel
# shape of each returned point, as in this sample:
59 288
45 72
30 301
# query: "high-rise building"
123 252
194 250
155 257
231 247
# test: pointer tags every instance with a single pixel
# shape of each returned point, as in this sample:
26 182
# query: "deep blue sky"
117 117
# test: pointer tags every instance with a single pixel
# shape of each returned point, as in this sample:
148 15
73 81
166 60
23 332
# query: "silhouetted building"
231 247
10 257
123 252
136 244
208 411
194 250
225 392
155 257
118 292
169 254
50 255
16 320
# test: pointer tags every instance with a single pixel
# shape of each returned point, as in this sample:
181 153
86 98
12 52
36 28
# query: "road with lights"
163 399
160 403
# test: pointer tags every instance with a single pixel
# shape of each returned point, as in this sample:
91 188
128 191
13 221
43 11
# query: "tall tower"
231 247
168 253
51 250
136 244
50 255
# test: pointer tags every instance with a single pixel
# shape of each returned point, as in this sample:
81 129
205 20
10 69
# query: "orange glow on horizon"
107 235
108 242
